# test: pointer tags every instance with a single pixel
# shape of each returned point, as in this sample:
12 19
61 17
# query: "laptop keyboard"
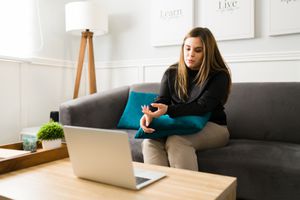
140 180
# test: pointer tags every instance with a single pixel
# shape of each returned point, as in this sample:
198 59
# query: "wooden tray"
32 159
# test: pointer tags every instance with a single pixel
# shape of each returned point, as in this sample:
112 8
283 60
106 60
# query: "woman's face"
193 52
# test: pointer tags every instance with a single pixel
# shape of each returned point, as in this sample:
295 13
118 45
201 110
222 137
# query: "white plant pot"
51 144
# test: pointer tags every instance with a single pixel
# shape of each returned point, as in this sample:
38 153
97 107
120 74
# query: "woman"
199 83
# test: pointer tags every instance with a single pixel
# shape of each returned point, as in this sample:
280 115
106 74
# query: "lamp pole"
86 36
88 19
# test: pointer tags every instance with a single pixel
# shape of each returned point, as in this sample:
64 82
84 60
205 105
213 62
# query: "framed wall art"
228 19
170 21
286 23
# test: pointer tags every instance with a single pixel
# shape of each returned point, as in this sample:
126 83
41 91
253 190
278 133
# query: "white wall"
39 80
31 88
28 92
263 58
10 100
129 35
127 45
52 41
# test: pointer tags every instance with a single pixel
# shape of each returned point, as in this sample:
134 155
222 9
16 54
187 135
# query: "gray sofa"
264 124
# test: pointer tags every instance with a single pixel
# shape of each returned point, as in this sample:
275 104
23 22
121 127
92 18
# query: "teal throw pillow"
132 114
165 126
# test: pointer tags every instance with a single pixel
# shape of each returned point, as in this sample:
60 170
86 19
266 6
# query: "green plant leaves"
51 131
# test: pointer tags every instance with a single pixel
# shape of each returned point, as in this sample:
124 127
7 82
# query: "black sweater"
210 97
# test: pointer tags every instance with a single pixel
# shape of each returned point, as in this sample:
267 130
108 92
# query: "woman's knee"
176 141
217 136
154 152
222 137
152 144
146 142
181 153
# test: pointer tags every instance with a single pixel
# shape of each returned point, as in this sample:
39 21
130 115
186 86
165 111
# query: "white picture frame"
228 19
170 21
287 23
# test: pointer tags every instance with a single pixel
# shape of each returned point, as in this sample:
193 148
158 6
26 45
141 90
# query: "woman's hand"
149 115
161 110
144 123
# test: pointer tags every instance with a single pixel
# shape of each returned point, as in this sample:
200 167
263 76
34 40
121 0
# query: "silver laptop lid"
101 155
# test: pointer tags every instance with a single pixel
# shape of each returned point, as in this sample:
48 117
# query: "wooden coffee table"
55 180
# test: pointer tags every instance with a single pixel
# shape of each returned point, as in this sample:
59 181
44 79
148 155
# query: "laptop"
104 156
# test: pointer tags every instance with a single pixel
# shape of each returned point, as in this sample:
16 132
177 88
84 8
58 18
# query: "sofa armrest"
100 110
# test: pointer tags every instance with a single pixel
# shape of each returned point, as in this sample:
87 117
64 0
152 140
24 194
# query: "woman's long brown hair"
212 62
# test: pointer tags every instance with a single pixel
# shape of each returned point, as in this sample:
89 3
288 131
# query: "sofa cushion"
264 111
132 114
165 126
275 165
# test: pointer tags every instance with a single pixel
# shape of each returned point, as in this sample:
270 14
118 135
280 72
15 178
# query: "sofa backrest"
261 111
146 87
264 111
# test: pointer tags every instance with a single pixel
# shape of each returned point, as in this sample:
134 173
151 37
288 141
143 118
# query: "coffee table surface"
55 180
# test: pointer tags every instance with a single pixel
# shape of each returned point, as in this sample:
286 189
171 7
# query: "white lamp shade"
84 15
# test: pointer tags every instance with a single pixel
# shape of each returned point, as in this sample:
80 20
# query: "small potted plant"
51 134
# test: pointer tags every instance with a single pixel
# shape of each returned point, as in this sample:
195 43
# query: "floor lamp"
88 19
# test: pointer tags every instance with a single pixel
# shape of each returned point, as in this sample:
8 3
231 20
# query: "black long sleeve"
210 97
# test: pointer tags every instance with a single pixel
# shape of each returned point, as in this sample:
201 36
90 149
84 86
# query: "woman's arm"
163 99
213 96
164 93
